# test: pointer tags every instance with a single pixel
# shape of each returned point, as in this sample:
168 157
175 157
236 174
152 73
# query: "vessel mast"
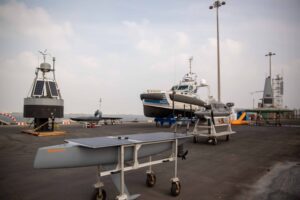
100 101
190 60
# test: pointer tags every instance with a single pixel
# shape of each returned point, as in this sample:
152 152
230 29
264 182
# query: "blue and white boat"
159 103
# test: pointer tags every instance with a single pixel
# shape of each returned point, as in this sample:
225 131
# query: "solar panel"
53 89
39 87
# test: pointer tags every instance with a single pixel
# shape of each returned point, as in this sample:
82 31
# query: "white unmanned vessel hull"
160 104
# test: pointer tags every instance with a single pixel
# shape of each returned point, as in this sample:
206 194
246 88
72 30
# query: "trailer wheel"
99 194
175 188
151 180
210 140
215 141
227 137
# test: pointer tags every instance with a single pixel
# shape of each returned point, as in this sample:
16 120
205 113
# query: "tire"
151 180
195 139
99 195
210 140
175 188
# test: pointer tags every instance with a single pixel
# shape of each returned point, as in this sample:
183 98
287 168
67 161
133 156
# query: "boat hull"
161 104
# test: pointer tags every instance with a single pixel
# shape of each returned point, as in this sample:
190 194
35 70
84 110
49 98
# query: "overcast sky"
115 50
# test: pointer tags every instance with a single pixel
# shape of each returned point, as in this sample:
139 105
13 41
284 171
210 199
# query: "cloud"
34 23
228 45
136 30
18 66
89 62
144 38
33 27
182 39
17 74
291 75
232 46
116 57
149 46
149 39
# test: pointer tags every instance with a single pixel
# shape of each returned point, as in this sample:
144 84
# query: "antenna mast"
53 60
44 54
190 60
100 101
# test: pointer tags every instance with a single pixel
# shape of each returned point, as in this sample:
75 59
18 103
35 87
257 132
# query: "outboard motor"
98 113
230 104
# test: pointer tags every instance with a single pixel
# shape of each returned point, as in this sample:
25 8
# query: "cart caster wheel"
215 141
175 189
194 139
227 137
151 180
99 194
210 140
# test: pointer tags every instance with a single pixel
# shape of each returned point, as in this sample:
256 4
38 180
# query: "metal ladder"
209 131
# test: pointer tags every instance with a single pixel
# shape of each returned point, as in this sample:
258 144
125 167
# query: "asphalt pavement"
256 163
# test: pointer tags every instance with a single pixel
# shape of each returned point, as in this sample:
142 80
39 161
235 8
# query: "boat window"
183 87
219 106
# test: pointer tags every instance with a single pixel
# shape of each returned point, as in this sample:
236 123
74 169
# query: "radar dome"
203 82
45 67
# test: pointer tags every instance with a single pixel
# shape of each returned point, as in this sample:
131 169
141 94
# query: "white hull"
164 107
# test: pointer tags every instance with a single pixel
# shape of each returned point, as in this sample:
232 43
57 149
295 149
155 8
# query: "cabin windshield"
174 87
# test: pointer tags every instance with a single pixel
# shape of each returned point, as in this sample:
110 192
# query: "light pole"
216 5
270 54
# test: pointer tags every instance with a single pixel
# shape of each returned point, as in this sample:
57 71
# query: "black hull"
43 111
86 119
152 111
